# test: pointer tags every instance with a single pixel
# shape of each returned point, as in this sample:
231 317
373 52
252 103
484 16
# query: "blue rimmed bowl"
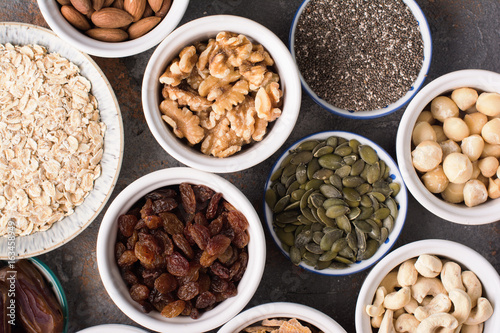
56 287
427 42
401 198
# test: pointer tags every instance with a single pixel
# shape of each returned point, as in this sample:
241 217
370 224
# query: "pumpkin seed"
314 248
381 213
362 225
354 144
338 265
302 157
352 181
271 197
365 201
338 245
350 159
371 247
304 220
312 167
314 212
395 187
322 264
337 211
332 141
317 227
343 171
297 194
343 260
316 199
343 223
368 154
388 223
323 174
292 206
324 218
330 191
384 234
276 174
357 167
303 238
290 228
343 150
347 252
393 207
320 151
366 212
312 258
329 238
288 171
293 186
305 198
330 161
301 174
354 213
361 239
352 242
328 256
352 203
333 202
280 189
375 229
307 213
285 237
373 173
281 204
317 235
307 145
351 194
336 181
314 183
295 255
286 161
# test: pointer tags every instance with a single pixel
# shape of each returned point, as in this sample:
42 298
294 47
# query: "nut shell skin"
75 18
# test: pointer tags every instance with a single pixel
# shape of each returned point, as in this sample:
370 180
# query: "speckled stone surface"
465 35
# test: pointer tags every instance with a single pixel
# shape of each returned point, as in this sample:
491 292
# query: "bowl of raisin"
181 249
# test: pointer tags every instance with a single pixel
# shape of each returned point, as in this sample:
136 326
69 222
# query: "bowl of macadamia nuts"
430 286
113 28
448 146
221 93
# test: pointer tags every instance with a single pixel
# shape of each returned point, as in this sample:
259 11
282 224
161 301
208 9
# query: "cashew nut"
480 313
451 276
377 308
376 321
440 303
407 273
446 330
473 286
435 321
472 328
398 313
428 265
406 323
427 286
390 282
411 306
387 324
398 299
461 304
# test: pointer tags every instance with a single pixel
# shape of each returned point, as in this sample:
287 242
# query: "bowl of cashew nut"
430 286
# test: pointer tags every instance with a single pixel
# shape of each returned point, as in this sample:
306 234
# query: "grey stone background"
465 33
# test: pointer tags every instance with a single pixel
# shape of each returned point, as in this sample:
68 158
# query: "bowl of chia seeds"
335 203
361 59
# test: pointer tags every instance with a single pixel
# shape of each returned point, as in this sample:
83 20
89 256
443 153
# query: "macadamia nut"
458 168
489 104
475 193
464 98
472 146
453 193
427 156
494 188
449 147
423 131
435 180
440 136
475 122
491 150
488 166
491 131
443 107
426 116
455 129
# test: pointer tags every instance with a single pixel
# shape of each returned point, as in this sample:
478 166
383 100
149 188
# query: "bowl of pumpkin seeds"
335 203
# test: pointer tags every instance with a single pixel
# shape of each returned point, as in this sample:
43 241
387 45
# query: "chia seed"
358 55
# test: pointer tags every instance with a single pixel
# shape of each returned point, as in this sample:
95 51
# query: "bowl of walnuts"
221 93
181 250
113 28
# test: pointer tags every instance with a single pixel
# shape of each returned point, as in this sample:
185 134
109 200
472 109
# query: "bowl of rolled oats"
221 93
61 137
282 317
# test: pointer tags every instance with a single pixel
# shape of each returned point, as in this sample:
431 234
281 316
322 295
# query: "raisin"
239 267
147 209
199 218
132 240
219 297
217 245
199 234
139 292
188 198
218 285
227 206
241 239
213 206
231 290
183 245
165 283
119 249
218 269
202 192
127 223
161 194
237 221
127 258
192 274
140 224
195 313
204 281
171 223
164 205
129 277
145 253
216 225
229 233
164 242
205 300
188 291
159 300
206 259
173 309
187 309
177 265
152 221
226 256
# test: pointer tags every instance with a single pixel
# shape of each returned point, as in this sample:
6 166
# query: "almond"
155 4
143 26
118 4
111 18
135 8
148 11
83 6
164 8
64 2
97 4
75 18
107 35
108 3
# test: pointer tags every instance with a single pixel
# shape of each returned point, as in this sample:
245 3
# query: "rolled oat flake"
358 55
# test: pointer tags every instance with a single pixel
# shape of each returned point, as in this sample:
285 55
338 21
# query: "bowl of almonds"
448 146
113 28
181 250
221 93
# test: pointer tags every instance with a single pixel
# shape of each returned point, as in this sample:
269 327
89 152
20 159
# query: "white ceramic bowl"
461 254
112 328
116 287
401 198
201 30
459 213
282 310
63 231
52 14
426 37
